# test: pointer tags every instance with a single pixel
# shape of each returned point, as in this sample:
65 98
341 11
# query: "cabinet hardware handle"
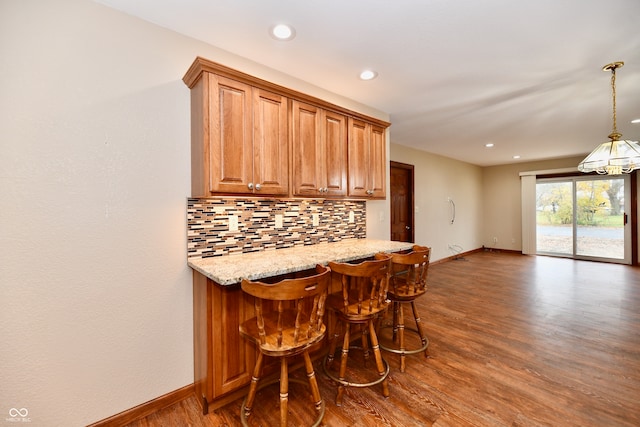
258 187
250 185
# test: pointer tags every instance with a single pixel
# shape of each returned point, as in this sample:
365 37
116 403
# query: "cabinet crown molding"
201 65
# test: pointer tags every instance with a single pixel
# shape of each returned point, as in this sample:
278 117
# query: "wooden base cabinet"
223 360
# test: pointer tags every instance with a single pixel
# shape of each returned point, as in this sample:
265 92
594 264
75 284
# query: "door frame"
411 170
633 208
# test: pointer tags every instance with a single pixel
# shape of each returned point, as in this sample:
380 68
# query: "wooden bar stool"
362 299
294 324
408 282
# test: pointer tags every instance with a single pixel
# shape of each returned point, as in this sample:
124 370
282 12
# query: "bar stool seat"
361 301
289 320
407 283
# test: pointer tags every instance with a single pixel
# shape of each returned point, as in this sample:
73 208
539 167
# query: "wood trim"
457 256
411 169
634 217
146 408
482 249
201 65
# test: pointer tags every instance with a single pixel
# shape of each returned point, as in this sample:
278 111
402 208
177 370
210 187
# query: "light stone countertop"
231 269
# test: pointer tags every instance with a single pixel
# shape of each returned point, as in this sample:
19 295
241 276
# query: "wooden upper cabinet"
367 160
270 143
239 139
305 129
335 142
378 159
250 136
230 135
319 141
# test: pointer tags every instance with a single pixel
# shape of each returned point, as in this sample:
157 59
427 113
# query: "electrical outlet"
278 220
352 217
233 222
316 219
495 240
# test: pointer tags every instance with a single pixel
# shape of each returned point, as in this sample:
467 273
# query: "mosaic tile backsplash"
264 224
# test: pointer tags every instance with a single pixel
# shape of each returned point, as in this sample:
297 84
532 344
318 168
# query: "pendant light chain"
617 156
613 96
615 135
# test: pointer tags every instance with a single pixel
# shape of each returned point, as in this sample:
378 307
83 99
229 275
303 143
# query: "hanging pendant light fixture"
615 156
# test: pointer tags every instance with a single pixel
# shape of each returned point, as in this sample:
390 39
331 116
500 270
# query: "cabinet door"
270 143
230 136
378 162
367 160
359 145
307 150
233 357
333 168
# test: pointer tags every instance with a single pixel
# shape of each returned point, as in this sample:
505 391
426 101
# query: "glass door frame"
629 211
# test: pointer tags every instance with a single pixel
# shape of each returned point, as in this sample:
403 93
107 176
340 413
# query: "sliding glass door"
584 218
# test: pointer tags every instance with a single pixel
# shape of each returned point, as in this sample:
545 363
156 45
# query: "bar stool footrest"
351 384
316 423
405 351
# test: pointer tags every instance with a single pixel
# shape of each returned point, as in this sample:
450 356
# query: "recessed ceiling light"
635 121
489 145
282 32
368 75
516 157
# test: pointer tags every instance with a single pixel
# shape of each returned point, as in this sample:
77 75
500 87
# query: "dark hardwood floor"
514 341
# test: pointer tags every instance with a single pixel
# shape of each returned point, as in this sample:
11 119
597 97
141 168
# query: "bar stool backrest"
364 286
409 272
295 319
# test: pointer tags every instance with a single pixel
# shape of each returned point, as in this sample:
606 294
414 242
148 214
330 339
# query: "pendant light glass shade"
616 156
612 158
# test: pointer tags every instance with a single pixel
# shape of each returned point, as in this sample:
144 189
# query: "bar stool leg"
333 344
395 320
254 385
401 335
284 391
365 345
313 382
423 337
378 356
343 364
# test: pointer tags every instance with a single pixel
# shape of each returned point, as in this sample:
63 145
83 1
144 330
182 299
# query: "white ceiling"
453 74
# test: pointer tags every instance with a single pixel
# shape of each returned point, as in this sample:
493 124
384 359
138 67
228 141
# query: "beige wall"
502 204
438 178
95 292
487 199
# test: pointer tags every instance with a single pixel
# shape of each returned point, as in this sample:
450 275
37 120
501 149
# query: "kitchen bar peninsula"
223 361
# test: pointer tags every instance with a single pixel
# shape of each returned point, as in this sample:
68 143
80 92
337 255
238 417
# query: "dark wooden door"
402 221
